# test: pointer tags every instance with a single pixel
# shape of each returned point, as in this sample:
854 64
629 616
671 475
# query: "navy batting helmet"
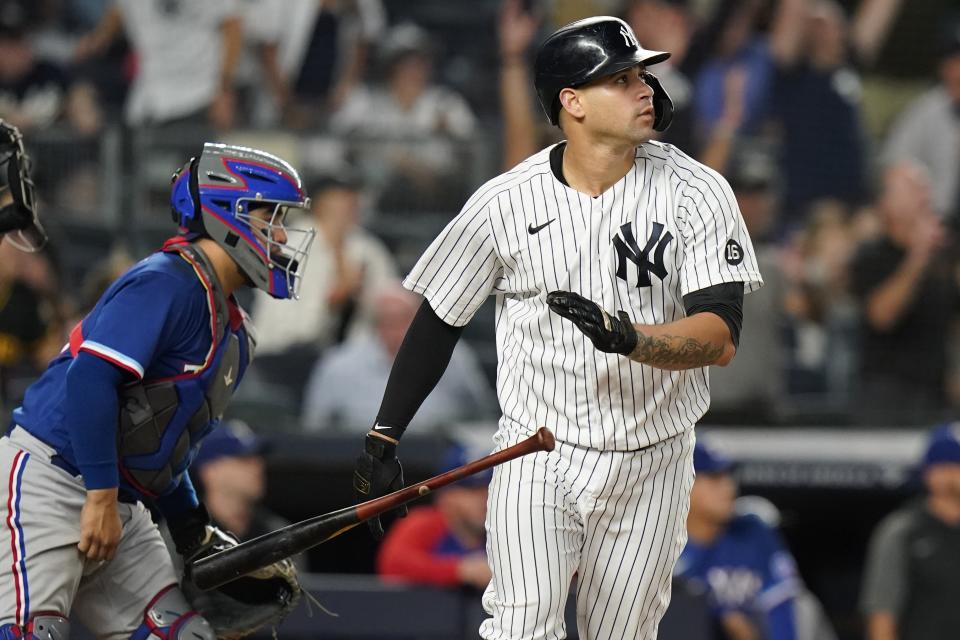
593 48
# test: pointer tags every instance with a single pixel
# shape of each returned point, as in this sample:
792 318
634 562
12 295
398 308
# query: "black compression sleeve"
725 300
421 361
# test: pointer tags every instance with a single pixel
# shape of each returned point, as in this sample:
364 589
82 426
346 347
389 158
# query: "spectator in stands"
821 316
422 168
324 52
907 63
739 47
187 54
722 138
524 126
31 326
442 545
263 89
100 276
748 390
36 93
907 289
749 575
231 475
911 584
818 55
668 25
345 268
928 131
346 384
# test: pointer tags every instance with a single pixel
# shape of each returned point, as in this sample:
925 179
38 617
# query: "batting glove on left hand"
608 334
377 473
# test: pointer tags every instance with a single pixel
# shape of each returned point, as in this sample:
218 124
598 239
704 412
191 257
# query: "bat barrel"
229 564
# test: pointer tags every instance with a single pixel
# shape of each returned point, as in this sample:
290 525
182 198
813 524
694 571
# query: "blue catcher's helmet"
215 194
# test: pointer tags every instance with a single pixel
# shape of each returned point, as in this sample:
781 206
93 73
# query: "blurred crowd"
837 123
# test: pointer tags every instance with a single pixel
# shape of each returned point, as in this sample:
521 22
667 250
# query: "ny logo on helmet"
628 38
628 249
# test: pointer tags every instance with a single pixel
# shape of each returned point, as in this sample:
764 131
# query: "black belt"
60 462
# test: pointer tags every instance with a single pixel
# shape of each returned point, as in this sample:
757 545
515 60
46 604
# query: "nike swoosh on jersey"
532 229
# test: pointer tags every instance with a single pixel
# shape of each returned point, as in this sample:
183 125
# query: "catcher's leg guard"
42 627
169 617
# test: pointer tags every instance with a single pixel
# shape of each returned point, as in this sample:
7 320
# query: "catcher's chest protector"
161 421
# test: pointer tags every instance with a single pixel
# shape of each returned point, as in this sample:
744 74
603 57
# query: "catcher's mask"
18 213
221 194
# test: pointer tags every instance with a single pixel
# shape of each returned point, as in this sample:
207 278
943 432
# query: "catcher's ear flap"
185 209
195 185
662 104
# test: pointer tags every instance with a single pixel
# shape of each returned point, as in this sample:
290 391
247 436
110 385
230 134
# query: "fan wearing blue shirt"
749 576
116 419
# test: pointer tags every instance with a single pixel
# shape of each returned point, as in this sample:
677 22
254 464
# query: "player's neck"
592 168
224 267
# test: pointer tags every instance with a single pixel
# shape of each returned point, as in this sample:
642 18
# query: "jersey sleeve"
457 271
717 247
133 323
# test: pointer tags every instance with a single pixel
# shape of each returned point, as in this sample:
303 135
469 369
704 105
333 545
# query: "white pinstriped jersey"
669 227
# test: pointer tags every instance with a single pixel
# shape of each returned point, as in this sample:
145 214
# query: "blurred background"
836 122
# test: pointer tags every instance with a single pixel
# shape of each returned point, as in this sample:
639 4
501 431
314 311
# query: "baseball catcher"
117 418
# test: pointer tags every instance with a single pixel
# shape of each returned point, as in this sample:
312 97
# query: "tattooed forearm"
675 352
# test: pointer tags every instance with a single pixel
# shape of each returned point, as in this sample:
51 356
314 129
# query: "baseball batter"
163 350
607 220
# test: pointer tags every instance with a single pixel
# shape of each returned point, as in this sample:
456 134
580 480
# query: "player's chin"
641 128
639 135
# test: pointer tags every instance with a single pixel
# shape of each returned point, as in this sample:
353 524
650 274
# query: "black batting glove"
608 334
377 473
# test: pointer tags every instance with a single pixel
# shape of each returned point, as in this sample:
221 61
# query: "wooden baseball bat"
228 565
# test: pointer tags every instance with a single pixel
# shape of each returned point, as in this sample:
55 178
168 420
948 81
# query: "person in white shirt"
187 54
928 131
347 265
409 130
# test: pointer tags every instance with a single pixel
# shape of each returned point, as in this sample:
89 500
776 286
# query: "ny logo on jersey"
629 39
628 249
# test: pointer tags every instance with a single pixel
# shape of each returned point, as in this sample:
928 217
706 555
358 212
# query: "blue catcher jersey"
746 569
156 322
